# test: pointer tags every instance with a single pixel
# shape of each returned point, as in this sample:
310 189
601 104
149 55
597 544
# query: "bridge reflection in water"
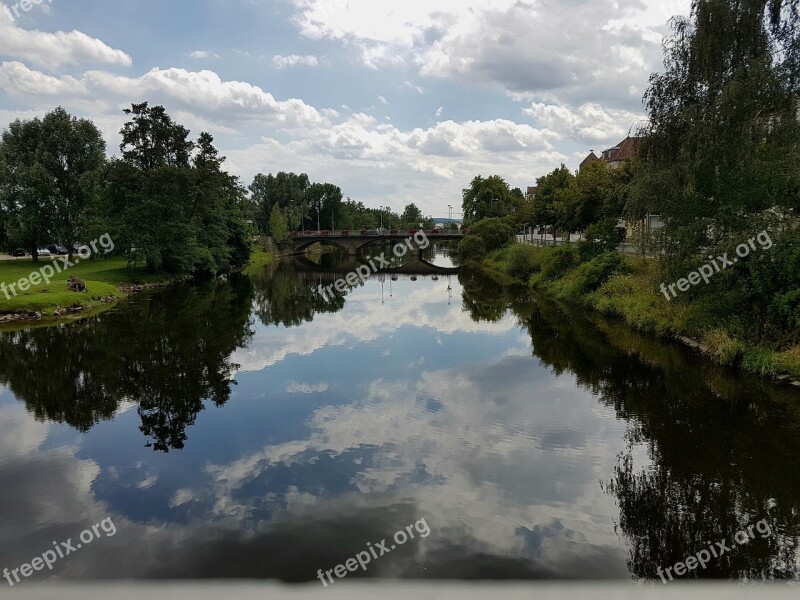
415 265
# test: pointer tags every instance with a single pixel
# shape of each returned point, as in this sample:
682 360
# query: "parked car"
57 249
18 252
82 249
43 252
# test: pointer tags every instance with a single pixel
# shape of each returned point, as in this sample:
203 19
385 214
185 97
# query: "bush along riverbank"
630 288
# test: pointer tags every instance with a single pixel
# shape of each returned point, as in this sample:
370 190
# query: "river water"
255 428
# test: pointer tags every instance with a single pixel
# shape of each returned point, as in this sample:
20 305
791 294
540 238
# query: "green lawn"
102 278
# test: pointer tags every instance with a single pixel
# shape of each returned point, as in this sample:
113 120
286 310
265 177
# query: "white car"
43 252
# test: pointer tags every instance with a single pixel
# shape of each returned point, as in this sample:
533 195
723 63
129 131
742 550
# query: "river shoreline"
625 303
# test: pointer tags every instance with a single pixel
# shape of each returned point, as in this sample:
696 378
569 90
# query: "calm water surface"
253 429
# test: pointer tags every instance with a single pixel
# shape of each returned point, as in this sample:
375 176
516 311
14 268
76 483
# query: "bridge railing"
374 232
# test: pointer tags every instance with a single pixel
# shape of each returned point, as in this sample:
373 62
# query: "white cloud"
201 54
294 60
589 122
439 112
571 51
414 87
202 92
55 49
292 387
383 99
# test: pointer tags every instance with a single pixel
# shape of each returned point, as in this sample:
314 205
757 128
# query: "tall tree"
549 207
484 198
50 171
722 148
324 200
174 206
151 139
412 216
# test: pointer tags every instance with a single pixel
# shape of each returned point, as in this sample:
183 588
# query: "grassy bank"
628 288
260 258
103 279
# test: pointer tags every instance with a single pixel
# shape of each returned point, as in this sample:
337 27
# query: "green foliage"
286 190
554 264
412 216
487 198
50 172
178 214
472 249
589 276
520 261
727 350
324 202
484 237
601 237
553 199
722 146
279 228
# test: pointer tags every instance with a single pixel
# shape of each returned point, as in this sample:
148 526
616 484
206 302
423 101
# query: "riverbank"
627 287
107 281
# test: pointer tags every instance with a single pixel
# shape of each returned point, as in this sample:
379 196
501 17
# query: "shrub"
520 262
555 262
726 349
589 276
472 249
601 237
484 237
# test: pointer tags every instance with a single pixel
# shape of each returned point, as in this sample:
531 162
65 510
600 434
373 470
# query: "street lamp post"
318 227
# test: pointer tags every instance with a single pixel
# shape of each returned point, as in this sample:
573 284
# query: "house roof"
623 151
589 159
532 190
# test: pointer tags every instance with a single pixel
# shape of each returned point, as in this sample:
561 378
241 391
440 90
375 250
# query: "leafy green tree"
151 139
50 172
412 216
172 204
551 206
324 200
722 147
484 237
260 193
279 227
484 198
287 190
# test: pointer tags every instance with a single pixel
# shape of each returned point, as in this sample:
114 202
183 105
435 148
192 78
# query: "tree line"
166 200
718 161
287 202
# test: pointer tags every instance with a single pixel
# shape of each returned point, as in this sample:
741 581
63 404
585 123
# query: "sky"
394 101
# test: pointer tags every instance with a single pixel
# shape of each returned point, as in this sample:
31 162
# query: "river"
255 428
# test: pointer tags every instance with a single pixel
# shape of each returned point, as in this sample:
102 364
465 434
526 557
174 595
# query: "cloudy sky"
395 101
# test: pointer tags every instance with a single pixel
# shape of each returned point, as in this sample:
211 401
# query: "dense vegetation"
288 202
719 162
166 202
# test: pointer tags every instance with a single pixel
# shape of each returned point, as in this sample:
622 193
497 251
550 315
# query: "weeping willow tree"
721 156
